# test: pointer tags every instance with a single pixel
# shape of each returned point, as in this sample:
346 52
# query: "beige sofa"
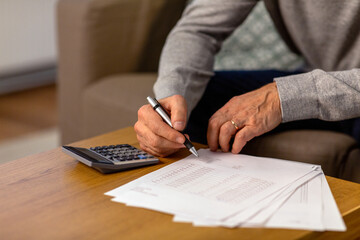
108 57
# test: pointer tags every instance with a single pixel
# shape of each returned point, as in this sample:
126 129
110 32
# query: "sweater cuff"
298 97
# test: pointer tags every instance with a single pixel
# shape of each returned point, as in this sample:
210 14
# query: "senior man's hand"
154 135
245 117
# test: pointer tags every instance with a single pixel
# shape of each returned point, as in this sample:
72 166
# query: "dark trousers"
226 84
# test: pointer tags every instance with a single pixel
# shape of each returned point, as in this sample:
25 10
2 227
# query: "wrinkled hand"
154 135
254 113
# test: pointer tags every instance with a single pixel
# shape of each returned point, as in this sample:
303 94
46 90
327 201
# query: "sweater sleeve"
187 59
330 96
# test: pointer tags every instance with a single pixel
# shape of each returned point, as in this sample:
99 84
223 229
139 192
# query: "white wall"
27 35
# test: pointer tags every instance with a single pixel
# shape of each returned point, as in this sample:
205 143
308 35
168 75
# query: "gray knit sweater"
325 32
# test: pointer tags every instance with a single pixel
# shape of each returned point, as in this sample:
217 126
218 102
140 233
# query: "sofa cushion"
112 103
328 149
351 170
256 44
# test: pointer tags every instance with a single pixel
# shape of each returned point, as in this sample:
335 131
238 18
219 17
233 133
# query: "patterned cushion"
256 45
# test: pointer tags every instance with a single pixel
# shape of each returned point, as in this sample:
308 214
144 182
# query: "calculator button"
121 153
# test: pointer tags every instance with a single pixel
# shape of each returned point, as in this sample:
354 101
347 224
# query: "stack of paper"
223 189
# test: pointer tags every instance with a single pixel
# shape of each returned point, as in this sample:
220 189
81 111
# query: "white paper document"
223 189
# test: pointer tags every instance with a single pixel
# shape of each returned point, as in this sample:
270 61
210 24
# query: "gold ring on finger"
235 125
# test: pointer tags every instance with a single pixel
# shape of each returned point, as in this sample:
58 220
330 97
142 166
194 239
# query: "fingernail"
179 125
180 140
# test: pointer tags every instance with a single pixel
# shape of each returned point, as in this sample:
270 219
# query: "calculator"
111 158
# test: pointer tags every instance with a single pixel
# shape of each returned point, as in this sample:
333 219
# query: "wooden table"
53 196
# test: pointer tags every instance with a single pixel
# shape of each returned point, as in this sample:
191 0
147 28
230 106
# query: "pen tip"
193 151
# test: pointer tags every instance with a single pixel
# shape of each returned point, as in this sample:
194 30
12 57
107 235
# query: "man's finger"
150 150
227 130
213 133
178 109
155 123
161 152
145 134
242 137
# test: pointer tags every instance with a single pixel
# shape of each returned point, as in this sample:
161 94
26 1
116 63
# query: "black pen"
163 114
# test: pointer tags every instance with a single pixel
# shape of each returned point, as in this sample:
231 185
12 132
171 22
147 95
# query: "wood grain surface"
27 112
53 196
